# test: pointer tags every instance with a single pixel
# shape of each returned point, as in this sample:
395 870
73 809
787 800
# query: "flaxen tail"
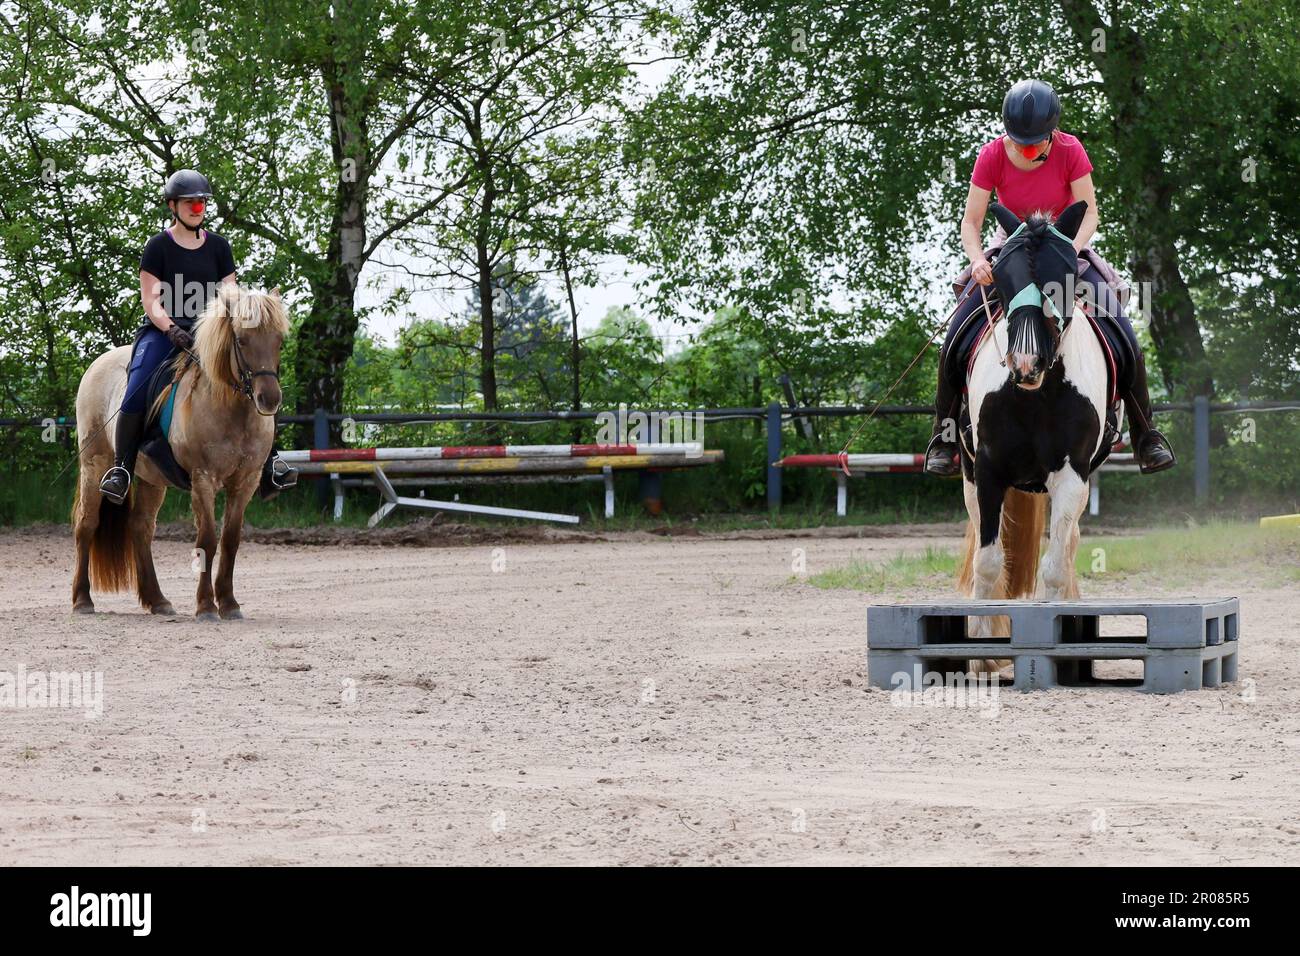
112 551
1024 518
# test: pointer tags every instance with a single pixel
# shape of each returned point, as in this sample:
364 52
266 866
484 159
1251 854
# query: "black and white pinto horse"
1037 392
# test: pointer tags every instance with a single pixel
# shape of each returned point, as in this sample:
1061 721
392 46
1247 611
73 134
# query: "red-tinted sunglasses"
1033 150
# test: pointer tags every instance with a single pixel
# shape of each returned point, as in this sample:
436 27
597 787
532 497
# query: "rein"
246 374
989 315
843 456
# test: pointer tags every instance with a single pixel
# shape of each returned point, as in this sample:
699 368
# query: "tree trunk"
487 320
328 334
576 351
1184 367
1146 190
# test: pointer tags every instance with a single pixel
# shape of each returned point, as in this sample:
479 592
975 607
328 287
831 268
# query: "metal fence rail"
773 415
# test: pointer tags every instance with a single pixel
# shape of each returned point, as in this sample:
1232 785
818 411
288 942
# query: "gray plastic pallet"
1188 644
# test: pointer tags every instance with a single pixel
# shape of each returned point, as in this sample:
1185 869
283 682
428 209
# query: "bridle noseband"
246 374
245 371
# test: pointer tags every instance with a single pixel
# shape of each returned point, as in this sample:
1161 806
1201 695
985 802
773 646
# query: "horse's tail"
112 551
1024 517
966 571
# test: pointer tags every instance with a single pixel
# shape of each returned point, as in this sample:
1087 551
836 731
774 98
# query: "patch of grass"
1171 554
1174 553
901 571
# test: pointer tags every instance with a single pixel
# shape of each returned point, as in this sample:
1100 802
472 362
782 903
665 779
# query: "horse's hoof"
206 616
86 608
234 614
163 610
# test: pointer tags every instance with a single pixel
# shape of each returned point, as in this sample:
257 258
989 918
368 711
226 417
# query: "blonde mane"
214 338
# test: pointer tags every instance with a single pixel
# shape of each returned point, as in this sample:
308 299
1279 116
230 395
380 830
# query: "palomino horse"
222 428
1037 397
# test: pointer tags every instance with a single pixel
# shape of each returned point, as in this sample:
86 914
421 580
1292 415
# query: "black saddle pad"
963 345
1121 349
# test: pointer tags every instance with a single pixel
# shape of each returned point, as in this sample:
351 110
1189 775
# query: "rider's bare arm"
1081 188
151 296
972 221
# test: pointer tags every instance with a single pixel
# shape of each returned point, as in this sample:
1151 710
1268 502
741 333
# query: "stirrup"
944 469
277 475
108 484
1154 436
282 475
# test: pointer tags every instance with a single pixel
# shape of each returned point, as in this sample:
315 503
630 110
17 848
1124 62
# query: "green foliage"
790 194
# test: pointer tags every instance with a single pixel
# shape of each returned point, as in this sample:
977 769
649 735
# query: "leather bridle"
243 370
246 373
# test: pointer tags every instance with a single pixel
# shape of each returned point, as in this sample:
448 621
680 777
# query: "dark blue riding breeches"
151 350
1099 291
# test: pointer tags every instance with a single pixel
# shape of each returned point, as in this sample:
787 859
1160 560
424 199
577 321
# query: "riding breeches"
152 348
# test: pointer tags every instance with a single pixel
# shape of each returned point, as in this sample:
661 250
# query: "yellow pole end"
1280 521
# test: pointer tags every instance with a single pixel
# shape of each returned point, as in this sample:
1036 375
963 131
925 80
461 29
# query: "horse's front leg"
987 494
1057 578
232 527
203 500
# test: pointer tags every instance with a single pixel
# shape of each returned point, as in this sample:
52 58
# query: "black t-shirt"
189 277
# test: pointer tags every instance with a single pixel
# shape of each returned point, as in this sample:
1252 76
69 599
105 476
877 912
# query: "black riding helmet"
1030 111
187 184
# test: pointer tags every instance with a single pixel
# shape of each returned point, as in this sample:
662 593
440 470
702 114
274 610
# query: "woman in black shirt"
179 273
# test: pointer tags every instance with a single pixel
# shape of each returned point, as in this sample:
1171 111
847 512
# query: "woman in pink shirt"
1036 166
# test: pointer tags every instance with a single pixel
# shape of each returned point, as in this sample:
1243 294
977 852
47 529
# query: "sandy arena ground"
635 700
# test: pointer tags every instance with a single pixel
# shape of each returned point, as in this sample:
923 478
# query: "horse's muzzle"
267 404
1026 370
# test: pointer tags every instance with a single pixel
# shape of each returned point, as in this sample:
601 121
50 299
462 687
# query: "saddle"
1120 364
157 427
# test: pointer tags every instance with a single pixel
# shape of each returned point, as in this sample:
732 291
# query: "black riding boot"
117 480
277 475
941 455
1150 448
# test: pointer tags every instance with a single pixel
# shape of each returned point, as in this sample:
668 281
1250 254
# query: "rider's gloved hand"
179 337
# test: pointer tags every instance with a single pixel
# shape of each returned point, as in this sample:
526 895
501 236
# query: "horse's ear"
276 292
1069 221
1007 219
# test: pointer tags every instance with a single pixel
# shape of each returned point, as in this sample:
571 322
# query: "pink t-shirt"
1047 187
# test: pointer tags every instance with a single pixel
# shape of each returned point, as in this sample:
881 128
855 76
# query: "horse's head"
1034 274
238 341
